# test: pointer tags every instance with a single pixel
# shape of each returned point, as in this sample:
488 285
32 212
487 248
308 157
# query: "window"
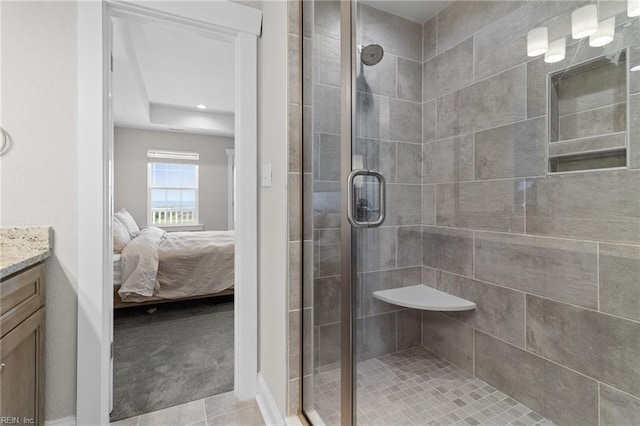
173 188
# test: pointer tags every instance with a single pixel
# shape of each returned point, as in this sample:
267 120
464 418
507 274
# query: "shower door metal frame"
347 231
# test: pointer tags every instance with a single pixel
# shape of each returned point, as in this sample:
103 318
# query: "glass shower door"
448 155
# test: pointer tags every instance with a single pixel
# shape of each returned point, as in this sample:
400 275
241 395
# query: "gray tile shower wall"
551 260
389 130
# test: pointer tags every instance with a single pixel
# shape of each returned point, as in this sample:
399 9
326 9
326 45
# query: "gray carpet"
181 352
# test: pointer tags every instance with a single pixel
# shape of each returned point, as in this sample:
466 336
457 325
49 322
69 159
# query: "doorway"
239 24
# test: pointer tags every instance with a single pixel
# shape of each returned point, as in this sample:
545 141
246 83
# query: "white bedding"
161 265
117 273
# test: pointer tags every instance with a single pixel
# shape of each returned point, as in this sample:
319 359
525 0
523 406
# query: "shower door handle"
352 199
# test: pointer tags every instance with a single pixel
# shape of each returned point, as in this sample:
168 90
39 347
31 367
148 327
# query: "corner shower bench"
424 298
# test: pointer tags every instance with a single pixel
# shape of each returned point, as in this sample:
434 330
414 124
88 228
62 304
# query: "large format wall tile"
409 246
448 160
598 345
328 69
560 269
429 38
499 312
429 124
409 328
326 205
617 408
330 346
375 336
386 118
376 248
634 131
329 158
464 18
326 111
448 338
495 205
596 206
326 16
555 392
409 80
609 119
489 103
504 44
328 247
377 155
448 249
410 168
326 301
404 205
397 35
619 280
428 204
379 79
449 71
514 150
369 282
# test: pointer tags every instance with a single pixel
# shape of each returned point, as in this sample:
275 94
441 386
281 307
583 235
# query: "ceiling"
414 10
161 74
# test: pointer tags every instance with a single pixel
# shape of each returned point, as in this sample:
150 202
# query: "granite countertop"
23 246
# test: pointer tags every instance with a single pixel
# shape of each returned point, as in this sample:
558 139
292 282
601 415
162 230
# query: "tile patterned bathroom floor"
417 387
218 410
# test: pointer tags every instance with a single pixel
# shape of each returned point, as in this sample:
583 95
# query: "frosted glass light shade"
605 33
556 51
633 8
584 21
537 41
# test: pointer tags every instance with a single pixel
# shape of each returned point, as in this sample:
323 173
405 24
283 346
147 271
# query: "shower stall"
471 212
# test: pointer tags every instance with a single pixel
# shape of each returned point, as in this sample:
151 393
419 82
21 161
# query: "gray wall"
130 172
389 256
552 261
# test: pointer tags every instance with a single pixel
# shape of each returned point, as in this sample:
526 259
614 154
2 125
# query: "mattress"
117 272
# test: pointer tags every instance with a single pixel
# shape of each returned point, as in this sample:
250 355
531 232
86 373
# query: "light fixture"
584 21
202 106
556 51
537 41
633 8
636 68
605 33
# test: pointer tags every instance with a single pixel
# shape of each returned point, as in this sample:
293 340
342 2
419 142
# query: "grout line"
598 273
524 296
204 408
599 406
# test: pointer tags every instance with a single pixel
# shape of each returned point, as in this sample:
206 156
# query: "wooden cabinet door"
21 379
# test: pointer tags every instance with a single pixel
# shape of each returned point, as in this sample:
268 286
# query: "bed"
158 266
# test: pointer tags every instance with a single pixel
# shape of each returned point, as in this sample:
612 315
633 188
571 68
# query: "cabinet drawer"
20 296
21 371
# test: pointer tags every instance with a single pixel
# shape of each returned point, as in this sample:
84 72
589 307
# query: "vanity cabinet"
22 301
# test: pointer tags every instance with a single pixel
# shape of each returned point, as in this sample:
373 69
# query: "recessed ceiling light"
202 106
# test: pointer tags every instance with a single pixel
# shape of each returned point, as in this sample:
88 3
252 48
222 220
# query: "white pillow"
120 236
129 222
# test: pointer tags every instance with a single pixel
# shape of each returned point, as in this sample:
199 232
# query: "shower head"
371 54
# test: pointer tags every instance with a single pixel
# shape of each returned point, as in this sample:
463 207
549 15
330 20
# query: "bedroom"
173 198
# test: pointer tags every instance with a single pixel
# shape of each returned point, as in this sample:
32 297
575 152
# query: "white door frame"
95 164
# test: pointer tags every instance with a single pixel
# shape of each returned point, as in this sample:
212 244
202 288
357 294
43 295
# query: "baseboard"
267 405
65 421
293 421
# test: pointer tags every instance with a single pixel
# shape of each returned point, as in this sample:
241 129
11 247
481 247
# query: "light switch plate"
266 176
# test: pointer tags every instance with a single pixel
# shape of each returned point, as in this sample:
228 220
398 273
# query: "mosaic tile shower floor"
417 387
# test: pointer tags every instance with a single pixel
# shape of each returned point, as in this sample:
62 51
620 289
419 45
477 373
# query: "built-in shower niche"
588 115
